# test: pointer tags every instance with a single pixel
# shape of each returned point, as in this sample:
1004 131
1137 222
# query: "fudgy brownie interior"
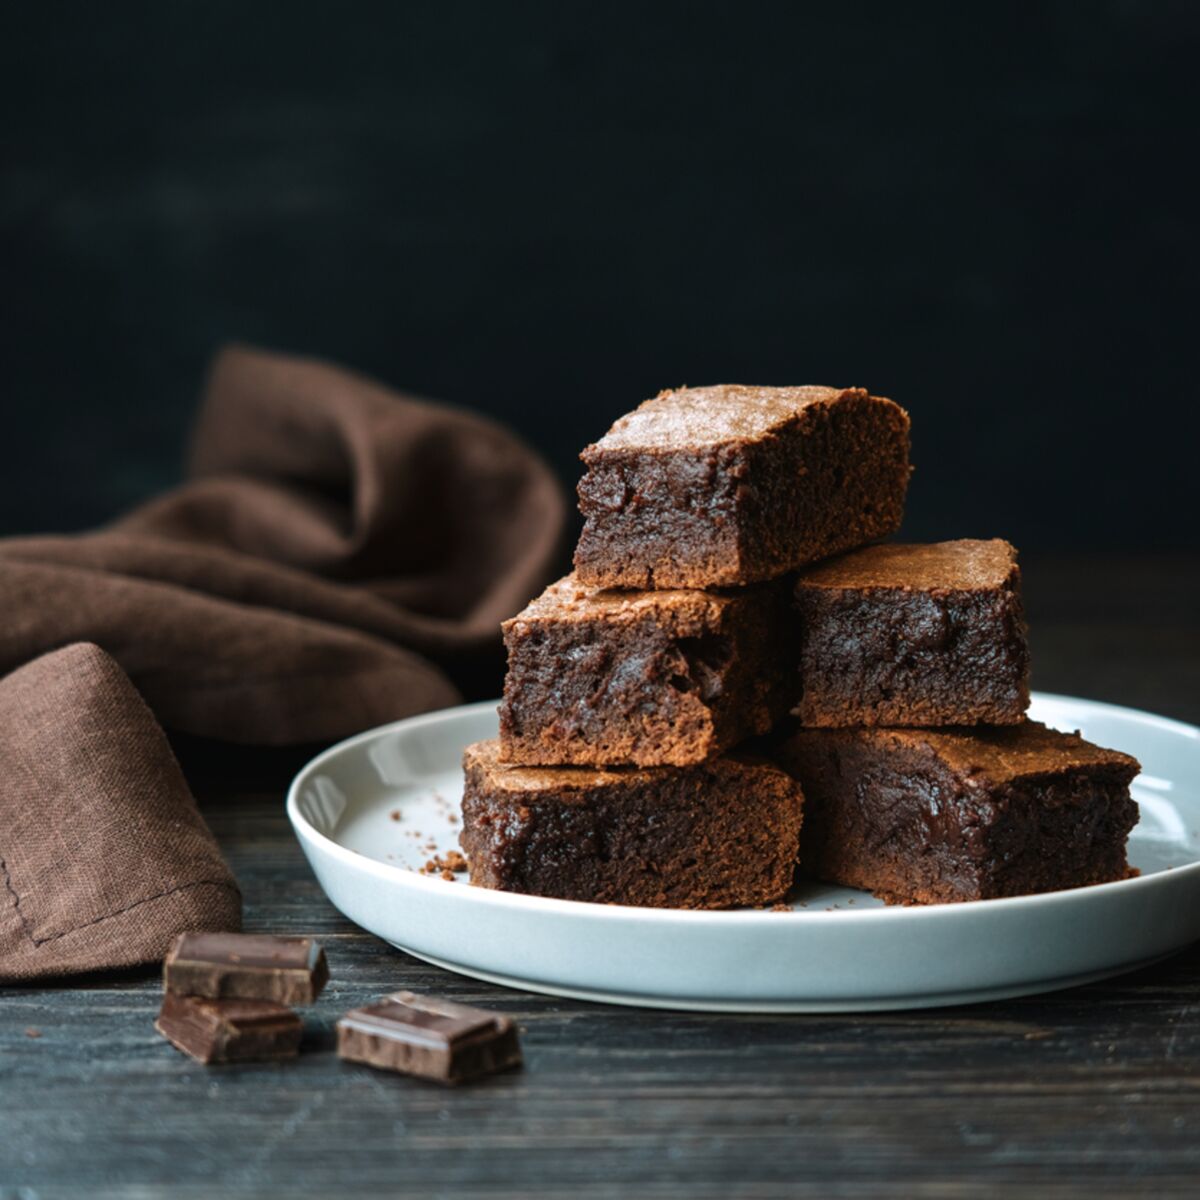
718 835
728 485
913 635
921 816
649 678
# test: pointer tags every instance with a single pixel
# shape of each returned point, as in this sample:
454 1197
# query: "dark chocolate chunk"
228 1031
435 1039
728 485
249 966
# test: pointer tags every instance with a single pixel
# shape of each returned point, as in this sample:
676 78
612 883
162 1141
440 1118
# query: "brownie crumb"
447 865
395 814
448 876
781 907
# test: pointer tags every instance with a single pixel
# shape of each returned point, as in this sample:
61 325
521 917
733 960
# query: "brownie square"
717 835
914 635
925 816
729 485
646 678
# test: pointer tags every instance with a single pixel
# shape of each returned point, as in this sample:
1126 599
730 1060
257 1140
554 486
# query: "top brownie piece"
729 485
913 635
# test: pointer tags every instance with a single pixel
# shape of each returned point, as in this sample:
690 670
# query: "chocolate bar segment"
228 1031
431 1038
248 966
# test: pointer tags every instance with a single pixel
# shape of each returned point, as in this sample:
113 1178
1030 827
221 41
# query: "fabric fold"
340 556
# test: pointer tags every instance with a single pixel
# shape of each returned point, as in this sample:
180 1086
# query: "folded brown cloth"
340 556
103 855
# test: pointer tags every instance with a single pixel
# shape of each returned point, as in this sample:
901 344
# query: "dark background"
548 212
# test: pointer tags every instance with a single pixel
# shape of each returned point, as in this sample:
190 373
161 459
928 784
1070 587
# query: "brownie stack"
925 781
621 775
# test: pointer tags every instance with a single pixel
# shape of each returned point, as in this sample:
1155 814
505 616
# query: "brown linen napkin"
340 556
103 855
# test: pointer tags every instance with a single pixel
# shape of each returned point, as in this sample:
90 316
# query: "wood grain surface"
1093 1091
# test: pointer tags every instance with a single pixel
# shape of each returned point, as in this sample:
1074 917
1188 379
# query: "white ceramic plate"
371 811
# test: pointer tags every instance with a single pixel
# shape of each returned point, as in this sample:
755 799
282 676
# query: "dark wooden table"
1089 1092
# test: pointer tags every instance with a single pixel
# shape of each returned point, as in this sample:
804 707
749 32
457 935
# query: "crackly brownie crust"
718 835
729 485
645 678
913 635
924 816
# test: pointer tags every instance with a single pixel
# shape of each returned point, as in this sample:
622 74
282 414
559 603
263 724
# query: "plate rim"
589 910
876 1003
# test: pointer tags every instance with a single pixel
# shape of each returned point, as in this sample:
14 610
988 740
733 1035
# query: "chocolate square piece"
717 835
728 485
924 816
251 966
228 1031
432 1038
649 678
914 635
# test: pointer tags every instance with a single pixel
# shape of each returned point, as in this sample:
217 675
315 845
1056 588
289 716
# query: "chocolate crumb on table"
926 816
649 678
734 484
913 635
717 835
